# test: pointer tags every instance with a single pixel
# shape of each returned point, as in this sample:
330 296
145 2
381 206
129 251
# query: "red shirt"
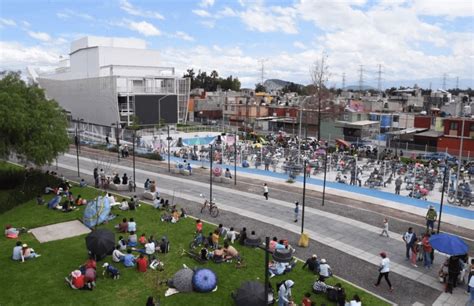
199 227
306 302
91 263
142 264
78 282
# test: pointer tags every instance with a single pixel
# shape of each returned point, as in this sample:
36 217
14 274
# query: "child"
385 228
306 300
231 235
132 225
198 226
142 239
414 253
142 263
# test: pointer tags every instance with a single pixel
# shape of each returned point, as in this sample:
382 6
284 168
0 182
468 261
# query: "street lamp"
304 194
117 137
159 109
169 139
77 143
325 171
210 173
442 192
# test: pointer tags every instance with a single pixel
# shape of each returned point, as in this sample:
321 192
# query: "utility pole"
343 80
262 69
210 173
457 82
444 80
77 142
379 79
361 77
169 139
304 195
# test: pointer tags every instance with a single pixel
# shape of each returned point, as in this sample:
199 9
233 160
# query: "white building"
106 80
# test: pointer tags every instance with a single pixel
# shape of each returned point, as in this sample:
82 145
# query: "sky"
410 39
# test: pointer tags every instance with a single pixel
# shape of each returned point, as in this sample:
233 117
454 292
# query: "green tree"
32 127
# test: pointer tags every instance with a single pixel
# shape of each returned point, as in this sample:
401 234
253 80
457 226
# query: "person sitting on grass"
324 270
17 251
157 203
222 230
164 245
90 263
122 227
149 248
312 263
111 271
355 301
175 215
231 253
82 183
90 276
280 268
12 232
132 225
142 240
77 280
80 201
243 236
117 255
124 205
142 263
122 243
129 259
272 245
27 253
204 254
132 240
217 255
48 190
231 235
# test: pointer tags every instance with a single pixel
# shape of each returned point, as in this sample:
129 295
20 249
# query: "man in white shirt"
409 237
117 255
265 191
384 269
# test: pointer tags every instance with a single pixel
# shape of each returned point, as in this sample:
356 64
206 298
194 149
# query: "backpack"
278 285
332 294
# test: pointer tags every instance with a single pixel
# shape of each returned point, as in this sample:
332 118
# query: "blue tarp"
96 212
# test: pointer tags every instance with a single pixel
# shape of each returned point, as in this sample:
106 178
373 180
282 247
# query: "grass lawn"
41 281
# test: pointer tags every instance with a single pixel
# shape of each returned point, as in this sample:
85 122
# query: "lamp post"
117 138
460 158
304 195
210 173
159 109
442 193
235 159
133 149
325 171
169 139
77 143
267 259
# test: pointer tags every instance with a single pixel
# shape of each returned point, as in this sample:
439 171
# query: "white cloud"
275 19
26 23
7 22
135 11
68 13
451 8
208 23
41 36
202 13
143 27
184 36
299 45
206 3
15 56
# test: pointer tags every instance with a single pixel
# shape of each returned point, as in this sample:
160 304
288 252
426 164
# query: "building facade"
109 80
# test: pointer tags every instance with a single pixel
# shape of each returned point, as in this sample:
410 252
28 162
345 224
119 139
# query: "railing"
146 89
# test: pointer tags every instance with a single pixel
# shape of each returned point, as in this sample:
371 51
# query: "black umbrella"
250 293
100 243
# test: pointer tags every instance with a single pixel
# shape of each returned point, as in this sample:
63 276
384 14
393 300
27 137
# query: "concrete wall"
93 99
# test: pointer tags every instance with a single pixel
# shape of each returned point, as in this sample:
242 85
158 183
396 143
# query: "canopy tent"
342 142
96 212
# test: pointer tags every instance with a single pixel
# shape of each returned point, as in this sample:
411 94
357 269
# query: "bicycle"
213 210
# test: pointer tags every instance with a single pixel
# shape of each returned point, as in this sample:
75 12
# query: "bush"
154 156
20 186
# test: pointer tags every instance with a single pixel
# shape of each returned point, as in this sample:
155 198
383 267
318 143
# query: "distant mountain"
356 87
277 84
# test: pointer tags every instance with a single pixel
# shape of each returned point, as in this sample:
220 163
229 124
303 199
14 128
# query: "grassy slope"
40 281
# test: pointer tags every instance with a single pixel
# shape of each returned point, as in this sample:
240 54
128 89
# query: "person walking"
398 185
431 217
296 211
96 178
409 237
385 228
265 191
384 270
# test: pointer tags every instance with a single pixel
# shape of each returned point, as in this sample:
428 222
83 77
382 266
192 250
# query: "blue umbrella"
449 244
204 280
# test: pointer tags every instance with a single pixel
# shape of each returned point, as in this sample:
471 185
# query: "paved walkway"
352 237
60 231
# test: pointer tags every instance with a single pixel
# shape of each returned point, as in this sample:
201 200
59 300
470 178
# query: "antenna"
361 77
457 82
262 69
444 80
379 79
343 80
